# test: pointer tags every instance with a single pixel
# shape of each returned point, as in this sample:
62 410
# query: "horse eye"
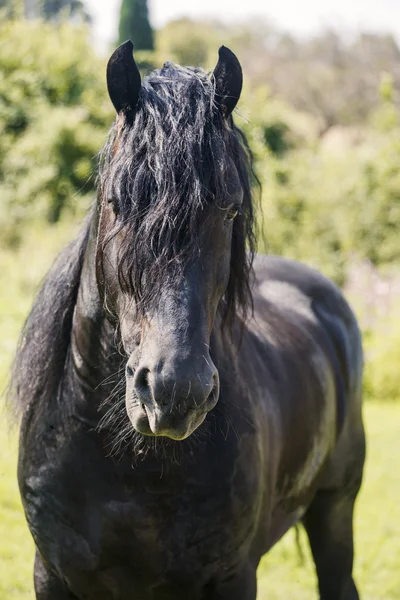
232 212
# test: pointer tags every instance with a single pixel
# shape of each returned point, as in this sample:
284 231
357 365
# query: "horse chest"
113 532
176 537
188 528
169 542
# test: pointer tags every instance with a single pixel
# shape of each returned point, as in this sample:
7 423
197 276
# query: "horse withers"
183 405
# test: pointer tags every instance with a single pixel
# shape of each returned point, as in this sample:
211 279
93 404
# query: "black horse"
181 407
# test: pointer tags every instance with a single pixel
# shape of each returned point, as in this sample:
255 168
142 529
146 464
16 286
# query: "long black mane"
159 170
43 347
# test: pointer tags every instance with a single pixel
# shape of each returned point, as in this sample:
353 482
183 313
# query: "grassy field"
281 576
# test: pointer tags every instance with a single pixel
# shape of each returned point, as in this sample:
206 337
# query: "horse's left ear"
228 78
123 79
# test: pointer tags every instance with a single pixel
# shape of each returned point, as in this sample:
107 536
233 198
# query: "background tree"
52 9
12 9
134 24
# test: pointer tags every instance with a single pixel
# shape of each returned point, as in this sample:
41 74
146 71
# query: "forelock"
161 168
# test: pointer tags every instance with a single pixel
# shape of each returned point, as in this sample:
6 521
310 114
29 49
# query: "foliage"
333 77
188 43
52 10
326 208
376 202
54 115
276 137
134 24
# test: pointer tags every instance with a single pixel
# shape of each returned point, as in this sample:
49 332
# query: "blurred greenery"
52 10
322 119
54 116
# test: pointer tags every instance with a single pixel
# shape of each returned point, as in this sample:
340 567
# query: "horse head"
175 219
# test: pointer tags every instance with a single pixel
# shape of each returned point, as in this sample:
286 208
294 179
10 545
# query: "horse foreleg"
47 585
329 525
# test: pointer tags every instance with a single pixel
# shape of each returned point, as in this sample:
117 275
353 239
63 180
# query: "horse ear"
228 79
123 79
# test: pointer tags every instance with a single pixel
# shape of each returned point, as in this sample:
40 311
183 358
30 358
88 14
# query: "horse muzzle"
166 401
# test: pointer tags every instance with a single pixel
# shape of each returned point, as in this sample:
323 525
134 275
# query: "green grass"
281 576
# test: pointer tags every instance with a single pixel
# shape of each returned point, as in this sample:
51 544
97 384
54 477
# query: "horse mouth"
152 421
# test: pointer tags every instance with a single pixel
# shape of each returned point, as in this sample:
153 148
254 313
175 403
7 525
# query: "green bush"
54 117
376 202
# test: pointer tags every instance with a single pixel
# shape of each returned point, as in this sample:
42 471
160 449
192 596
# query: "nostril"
129 371
215 386
142 380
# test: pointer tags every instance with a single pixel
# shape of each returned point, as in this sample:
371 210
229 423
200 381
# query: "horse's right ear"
228 79
123 79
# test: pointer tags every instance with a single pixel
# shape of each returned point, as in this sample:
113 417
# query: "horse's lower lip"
141 422
199 420
148 423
